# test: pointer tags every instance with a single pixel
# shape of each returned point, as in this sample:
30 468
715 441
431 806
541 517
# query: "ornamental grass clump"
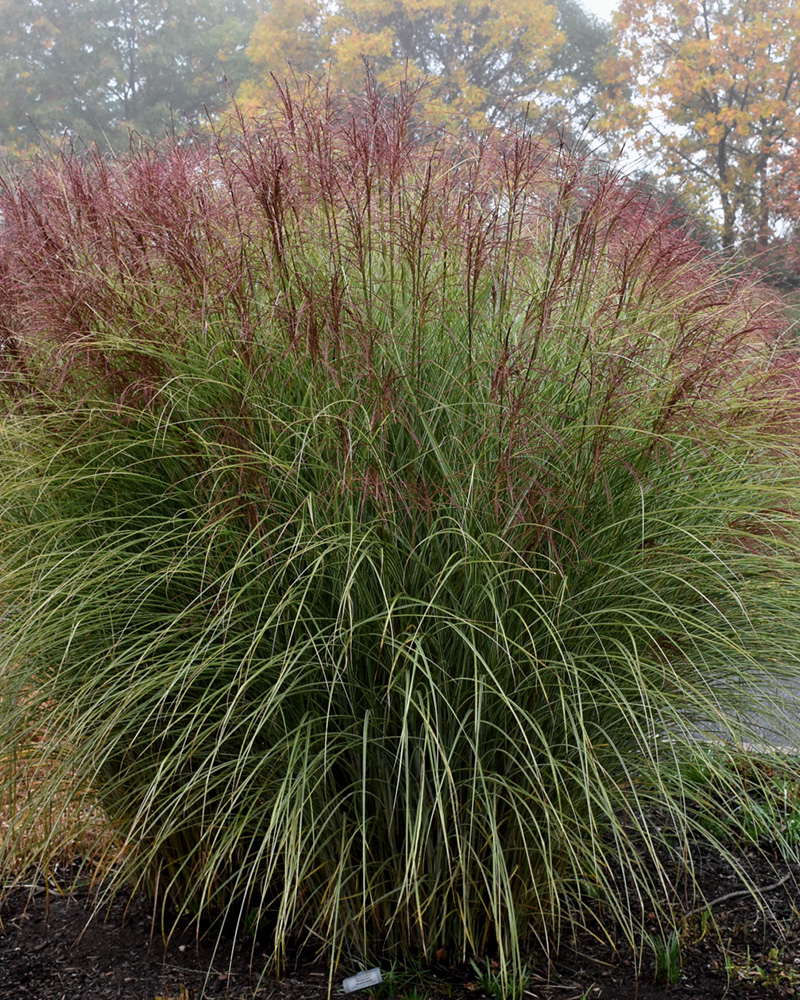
385 514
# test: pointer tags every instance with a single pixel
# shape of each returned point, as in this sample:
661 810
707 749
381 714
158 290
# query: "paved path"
778 724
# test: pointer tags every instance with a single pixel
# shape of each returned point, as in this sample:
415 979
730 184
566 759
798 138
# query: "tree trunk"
728 205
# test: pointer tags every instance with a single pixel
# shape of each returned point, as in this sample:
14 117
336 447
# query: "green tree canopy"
94 68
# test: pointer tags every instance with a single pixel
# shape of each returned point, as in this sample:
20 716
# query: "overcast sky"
602 8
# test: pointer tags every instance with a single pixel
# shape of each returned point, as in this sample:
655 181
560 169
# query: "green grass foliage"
380 510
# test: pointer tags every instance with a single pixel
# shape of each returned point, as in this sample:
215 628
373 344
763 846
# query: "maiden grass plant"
385 514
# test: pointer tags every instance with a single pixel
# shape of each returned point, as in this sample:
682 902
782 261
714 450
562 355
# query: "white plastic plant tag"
363 980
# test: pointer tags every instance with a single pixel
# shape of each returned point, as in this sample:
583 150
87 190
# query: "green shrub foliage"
381 509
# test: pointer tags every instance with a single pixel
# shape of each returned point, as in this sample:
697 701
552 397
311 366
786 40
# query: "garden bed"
55 946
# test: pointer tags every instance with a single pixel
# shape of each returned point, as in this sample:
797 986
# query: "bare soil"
55 944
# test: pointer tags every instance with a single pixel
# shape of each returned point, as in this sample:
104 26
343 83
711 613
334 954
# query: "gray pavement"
776 722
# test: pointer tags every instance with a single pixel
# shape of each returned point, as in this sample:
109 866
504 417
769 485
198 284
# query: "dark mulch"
54 946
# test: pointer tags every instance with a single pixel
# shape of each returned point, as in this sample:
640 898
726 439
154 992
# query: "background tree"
483 60
587 41
95 67
784 261
709 91
50 70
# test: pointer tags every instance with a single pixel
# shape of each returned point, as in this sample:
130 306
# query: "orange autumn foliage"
709 92
480 60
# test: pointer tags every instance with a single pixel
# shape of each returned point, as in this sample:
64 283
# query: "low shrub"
381 510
